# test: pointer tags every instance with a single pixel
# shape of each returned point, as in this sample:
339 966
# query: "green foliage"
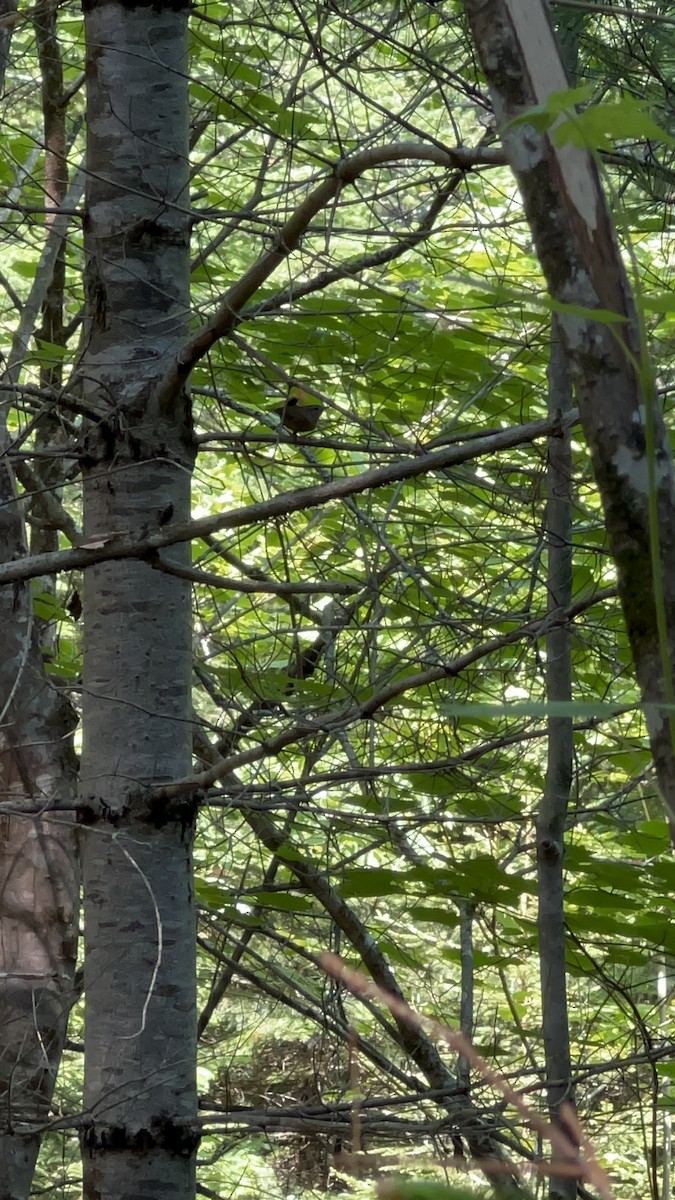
406 1189
394 740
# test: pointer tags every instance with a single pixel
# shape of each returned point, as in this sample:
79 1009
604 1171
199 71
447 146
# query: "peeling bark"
577 247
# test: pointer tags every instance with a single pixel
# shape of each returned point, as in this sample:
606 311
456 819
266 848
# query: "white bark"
139 914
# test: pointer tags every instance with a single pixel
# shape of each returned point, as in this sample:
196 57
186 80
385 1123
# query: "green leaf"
47 607
24 267
283 902
542 116
574 709
601 124
604 315
49 352
435 915
375 881
411 1189
595 898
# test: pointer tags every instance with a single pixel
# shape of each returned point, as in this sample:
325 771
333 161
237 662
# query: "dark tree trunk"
577 246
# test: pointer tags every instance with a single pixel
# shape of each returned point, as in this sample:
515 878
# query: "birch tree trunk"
577 247
140 1092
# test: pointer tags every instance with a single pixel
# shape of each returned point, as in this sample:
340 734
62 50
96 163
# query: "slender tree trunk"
39 871
7 13
664 982
554 802
468 968
39 879
140 1092
49 434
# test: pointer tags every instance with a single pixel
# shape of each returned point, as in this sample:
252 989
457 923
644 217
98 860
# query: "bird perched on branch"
301 411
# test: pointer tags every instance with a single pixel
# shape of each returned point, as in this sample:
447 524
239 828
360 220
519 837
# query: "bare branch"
117 544
348 171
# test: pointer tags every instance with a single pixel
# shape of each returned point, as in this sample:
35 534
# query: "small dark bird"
301 411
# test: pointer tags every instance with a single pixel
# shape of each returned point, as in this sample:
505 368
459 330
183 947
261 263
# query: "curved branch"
348 171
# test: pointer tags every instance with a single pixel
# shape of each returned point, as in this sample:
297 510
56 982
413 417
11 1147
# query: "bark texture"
140 1092
7 13
39 877
39 869
554 802
577 247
